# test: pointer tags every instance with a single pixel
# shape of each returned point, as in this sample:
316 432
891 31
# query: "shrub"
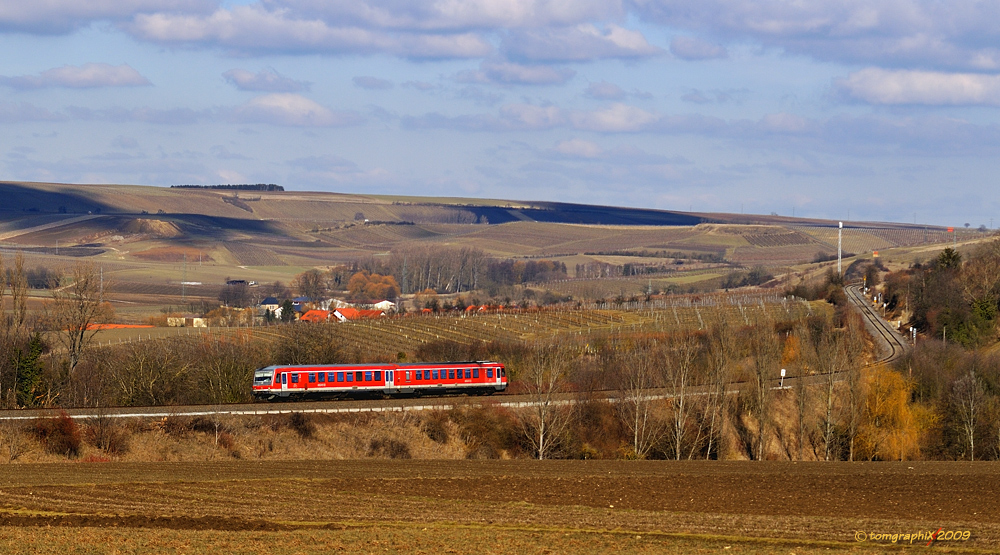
108 435
302 425
488 432
436 426
388 448
59 435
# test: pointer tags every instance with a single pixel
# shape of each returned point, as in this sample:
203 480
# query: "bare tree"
765 354
148 373
968 398
637 369
543 374
311 283
77 308
18 293
680 369
806 361
721 351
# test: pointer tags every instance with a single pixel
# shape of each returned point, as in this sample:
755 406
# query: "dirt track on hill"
809 501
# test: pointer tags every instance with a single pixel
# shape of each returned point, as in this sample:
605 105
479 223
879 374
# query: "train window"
419 375
451 374
321 377
378 375
407 375
295 377
340 376
330 376
503 372
489 372
350 376
368 376
435 374
312 377
358 375
468 373
427 374
475 373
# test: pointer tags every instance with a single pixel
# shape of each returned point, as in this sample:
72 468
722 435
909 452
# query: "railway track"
891 344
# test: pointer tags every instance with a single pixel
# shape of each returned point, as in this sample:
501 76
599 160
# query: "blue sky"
875 110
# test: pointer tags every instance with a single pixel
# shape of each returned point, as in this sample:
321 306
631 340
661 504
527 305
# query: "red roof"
315 316
349 313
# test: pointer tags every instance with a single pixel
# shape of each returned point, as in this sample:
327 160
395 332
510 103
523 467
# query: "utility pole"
840 250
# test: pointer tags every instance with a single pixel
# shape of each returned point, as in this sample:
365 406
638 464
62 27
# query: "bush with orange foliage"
891 426
367 286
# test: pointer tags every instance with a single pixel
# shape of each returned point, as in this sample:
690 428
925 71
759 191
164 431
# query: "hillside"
149 239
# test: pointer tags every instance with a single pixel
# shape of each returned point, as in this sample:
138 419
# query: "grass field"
496 507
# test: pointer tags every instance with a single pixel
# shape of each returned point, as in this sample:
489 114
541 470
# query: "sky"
879 110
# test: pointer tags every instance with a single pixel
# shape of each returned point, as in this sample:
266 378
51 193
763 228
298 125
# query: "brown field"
495 506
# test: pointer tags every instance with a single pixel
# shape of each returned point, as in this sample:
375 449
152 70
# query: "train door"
496 375
388 378
284 382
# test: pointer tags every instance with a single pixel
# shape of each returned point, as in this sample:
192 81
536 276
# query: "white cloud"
256 30
583 42
915 33
578 148
880 86
62 16
692 48
452 15
22 111
267 80
615 119
79 77
293 110
605 91
372 83
508 73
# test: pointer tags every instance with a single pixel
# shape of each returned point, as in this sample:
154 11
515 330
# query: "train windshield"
263 377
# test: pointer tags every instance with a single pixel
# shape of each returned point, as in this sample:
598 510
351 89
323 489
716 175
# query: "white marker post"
781 384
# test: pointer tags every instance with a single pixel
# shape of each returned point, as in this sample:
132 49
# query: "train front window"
263 377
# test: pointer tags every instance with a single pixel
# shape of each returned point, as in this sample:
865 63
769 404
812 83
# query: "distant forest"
239 187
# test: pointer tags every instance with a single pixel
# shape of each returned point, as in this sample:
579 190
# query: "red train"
336 381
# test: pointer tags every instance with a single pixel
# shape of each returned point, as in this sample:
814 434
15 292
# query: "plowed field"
500 506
